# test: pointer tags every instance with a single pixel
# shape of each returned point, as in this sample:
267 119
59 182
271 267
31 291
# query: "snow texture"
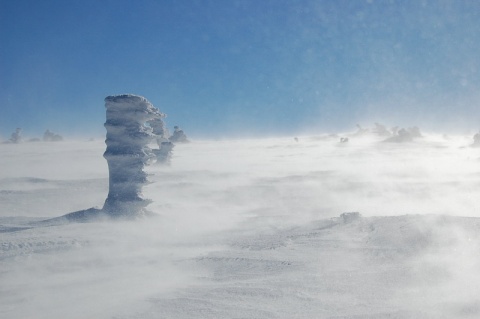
263 228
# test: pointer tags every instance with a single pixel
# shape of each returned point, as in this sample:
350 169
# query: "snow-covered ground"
247 229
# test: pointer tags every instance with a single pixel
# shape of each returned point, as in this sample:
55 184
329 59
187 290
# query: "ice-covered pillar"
165 147
159 129
127 152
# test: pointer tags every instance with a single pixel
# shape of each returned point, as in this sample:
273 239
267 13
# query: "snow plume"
438 261
127 152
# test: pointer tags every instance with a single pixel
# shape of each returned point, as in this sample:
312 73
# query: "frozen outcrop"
404 135
159 129
381 130
360 131
350 217
415 132
178 136
476 140
132 124
51 137
164 152
16 136
127 153
165 147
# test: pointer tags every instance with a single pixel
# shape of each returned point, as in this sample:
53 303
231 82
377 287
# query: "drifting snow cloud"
247 227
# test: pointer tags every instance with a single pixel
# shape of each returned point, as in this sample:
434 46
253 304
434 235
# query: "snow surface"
247 229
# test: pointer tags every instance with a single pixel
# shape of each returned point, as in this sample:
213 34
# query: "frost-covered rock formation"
51 137
381 130
404 135
16 136
360 131
476 140
164 152
178 136
165 147
128 152
159 128
132 124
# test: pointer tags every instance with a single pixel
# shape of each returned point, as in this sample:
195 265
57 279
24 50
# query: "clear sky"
227 67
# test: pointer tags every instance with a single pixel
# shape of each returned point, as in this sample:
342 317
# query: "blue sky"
239 67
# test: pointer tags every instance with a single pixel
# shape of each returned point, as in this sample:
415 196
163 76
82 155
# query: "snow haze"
247 229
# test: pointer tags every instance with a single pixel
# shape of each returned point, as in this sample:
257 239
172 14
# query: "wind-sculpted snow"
247 229
382 267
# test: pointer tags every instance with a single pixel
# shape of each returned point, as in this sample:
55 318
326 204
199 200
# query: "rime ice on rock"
159 128
178 136
360 131
165 147
381 130
16 136
51 137
404 135
476 140
350 217
131 124
164 152
127 152
415 131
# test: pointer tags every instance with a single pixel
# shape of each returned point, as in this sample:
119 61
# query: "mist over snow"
247 228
